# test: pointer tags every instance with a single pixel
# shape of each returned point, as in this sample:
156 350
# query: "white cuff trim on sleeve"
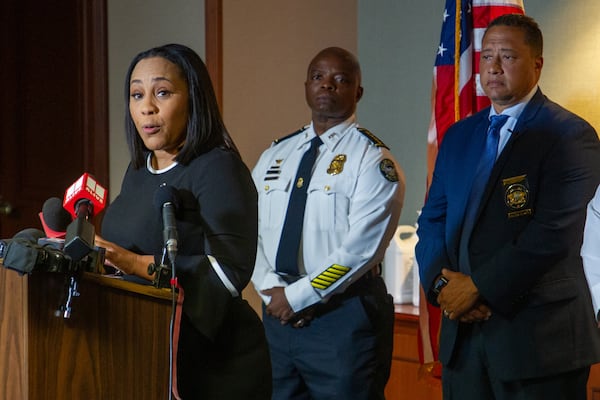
221 274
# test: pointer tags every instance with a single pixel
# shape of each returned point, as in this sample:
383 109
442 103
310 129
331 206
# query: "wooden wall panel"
13 337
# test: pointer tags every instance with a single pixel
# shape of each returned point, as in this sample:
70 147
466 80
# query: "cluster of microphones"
66 244
68 236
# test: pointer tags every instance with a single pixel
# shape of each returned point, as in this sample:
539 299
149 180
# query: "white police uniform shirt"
353 205
590 251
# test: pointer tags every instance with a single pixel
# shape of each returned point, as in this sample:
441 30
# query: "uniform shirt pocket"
273 205
328 203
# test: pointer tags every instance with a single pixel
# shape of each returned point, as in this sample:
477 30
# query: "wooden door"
53 103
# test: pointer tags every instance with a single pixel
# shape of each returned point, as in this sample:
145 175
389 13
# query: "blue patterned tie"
482 175
289 244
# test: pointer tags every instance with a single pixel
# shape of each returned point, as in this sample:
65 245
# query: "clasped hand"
459 299
280 308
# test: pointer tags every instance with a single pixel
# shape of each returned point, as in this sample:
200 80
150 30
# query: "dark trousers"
344 353
469 378
233 367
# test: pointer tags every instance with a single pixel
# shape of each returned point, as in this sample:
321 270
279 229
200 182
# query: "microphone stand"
72 291
167 264
79 243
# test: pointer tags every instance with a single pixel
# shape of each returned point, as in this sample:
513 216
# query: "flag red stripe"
444 100
483 15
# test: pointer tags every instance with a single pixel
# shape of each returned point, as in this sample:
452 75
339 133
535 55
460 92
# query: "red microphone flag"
86 187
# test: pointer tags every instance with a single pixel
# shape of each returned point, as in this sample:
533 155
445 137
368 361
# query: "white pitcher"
399 268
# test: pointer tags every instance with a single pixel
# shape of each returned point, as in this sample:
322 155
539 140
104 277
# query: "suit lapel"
472 151
520 129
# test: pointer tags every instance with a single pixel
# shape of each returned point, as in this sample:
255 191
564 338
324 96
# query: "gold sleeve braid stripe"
329 276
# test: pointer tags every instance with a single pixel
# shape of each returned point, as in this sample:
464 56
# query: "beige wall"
267 45
571 54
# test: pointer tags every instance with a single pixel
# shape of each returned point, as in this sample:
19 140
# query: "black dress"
222 351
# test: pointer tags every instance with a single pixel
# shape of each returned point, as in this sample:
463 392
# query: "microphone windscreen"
166 194
29 234
55 216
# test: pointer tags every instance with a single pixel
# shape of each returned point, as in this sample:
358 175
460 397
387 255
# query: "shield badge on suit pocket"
516 196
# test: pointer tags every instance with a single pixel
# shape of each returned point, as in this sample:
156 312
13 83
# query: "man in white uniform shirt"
327 314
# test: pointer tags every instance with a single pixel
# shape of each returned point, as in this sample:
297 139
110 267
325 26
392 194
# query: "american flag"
456 93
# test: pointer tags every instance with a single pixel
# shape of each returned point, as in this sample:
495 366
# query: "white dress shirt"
590 251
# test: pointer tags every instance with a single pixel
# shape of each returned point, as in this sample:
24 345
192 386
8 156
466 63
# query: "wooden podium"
114 346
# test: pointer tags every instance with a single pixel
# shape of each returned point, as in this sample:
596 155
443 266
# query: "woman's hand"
124 260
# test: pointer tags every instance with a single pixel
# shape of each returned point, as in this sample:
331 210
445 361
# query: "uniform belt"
360 285
367 284
372 273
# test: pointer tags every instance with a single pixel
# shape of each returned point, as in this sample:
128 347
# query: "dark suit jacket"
524 248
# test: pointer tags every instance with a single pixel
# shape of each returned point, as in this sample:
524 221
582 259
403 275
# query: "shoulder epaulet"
376 141
276 141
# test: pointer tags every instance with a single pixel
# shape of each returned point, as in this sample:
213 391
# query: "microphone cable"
174 298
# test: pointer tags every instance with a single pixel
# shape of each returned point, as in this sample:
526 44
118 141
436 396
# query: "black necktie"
482 175
289 244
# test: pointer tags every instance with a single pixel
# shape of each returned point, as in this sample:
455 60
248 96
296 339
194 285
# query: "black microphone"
21 253
166 199
29 234
55 219
79 238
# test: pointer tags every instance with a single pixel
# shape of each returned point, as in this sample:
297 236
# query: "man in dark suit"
498 249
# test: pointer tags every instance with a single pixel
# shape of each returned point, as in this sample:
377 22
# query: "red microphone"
85 196
83 199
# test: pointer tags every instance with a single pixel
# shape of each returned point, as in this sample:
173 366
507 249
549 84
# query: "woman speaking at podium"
176 137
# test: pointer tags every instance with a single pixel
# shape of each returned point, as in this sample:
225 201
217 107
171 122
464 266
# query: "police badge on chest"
516 196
